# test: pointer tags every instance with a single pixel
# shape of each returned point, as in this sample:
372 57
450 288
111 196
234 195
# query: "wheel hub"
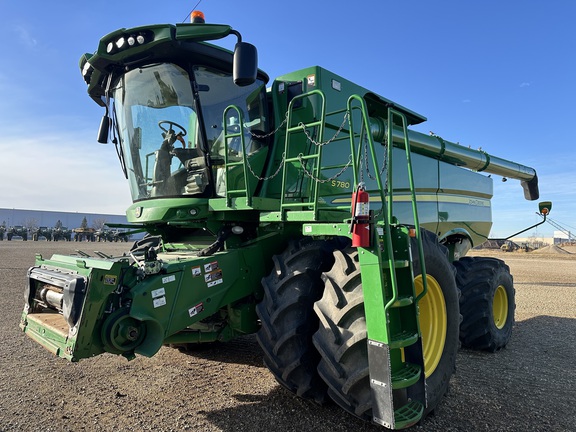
500 307
433 322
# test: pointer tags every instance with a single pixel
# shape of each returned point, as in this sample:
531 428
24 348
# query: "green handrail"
355 163
227 165
320 123
391 113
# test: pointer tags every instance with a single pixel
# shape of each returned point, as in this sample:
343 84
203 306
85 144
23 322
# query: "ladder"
229 165
300 195
395 353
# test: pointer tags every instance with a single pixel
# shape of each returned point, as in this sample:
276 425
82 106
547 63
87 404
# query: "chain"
270 176
345 119
320 144
382 168
254 135
317 180
270 133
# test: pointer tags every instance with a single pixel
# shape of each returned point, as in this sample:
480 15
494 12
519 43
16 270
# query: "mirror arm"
529 228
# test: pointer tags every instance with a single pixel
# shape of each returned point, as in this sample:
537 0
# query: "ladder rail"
300 127
229 136
386 216
391 113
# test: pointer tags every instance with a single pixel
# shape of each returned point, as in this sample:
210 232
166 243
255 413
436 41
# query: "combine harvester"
307 212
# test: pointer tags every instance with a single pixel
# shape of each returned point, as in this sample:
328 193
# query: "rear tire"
487 303
287 317
342 337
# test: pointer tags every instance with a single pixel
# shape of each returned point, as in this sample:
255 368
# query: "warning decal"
196 309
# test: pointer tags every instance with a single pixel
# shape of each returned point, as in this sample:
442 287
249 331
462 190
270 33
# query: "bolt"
132 333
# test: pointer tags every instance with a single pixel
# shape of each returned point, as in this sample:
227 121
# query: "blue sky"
491 74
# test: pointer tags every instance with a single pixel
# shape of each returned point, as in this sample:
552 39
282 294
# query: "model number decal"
341 184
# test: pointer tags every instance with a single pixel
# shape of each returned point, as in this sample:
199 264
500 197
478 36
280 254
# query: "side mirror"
245 64
103 130
545 207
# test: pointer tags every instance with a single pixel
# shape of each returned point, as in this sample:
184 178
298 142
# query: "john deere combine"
307 212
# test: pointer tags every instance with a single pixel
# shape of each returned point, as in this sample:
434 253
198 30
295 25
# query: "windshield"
172 144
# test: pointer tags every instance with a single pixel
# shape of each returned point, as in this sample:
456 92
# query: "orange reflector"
412 232
545 211
197 17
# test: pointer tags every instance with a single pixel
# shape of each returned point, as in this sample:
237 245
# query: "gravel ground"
529 386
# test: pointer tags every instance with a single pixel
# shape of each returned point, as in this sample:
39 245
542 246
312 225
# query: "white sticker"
159 302
216 282
196 310
213 276
362 209
307 228
211 266
158 292
196 271
168 279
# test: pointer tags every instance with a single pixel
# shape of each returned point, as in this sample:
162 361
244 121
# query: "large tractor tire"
487 303
342 338
287 316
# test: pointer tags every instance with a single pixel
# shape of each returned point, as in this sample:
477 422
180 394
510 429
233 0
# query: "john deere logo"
138 212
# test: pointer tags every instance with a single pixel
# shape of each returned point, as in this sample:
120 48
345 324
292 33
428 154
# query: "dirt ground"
529 386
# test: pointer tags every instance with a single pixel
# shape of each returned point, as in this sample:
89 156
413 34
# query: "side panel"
464 202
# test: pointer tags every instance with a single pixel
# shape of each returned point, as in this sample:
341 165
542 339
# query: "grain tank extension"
306 212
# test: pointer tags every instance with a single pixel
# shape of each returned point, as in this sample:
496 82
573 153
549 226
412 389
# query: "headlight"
125 42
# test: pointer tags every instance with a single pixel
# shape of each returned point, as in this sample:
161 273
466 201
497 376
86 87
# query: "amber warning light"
197 17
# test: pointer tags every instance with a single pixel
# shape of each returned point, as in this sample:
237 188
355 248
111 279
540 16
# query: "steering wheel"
171 123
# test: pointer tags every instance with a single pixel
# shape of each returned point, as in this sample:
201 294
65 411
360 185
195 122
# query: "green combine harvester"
306 212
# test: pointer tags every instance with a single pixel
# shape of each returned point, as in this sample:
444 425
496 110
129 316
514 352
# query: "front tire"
487 303
287 317
439 317
342 337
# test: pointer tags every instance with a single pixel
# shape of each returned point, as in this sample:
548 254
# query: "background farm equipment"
42 232
17 231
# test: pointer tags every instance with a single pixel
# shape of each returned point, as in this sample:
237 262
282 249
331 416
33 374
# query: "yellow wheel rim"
500 307
433 322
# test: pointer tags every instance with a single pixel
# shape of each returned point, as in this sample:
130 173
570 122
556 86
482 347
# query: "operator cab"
171 127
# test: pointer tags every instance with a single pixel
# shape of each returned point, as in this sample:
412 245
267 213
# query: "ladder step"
237 191
408 415
403 301
403 339
397 264
407 376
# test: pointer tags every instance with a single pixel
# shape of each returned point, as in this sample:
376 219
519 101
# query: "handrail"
391 113
313 198
355 162
228 136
